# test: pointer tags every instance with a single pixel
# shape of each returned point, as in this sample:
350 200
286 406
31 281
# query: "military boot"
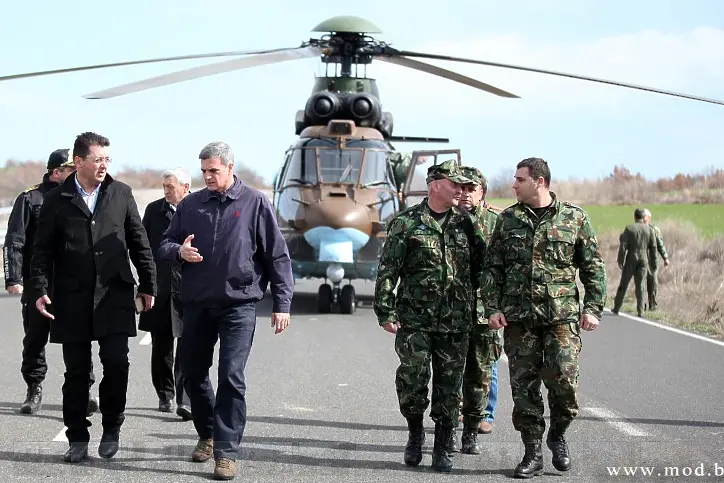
558 446
469 440
532 463
33 399
415 440
452 444
441 455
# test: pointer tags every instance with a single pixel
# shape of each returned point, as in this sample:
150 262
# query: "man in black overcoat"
88 227
164 321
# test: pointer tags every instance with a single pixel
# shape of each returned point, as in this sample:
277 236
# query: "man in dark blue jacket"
237 251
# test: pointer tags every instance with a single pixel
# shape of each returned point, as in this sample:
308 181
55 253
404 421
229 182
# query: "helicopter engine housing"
363 108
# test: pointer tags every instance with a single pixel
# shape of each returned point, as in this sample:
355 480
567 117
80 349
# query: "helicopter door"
415 186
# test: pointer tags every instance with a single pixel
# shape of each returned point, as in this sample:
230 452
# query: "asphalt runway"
322 407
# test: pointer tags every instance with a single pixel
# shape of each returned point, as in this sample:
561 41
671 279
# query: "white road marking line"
612 418
297 408
61 436
666 327
146 339
342 385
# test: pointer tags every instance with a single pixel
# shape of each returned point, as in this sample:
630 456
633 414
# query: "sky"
582 129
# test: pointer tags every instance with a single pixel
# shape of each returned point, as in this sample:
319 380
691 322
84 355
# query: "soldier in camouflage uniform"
636 251
434 251
529 287
485 346
652 279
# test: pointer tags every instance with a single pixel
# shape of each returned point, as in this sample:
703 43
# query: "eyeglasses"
101 160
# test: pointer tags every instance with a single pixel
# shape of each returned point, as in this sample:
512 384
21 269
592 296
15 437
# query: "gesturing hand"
189 253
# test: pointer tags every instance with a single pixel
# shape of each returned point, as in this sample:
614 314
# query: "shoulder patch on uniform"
31 188
495 209
574 206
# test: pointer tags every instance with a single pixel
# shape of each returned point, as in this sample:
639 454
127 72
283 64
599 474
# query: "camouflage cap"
448 169
59 159
474 174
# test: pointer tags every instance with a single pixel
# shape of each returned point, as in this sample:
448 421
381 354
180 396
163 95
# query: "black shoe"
108 446
92 406
165 406
558 446
184 412
469 440
532 463
33 399
441 457
76 453
415 440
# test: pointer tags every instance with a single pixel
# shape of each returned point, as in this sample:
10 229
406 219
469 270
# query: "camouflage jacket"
530 266
437 267
484 217
659 242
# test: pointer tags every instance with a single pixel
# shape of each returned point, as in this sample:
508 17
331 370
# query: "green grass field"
709 219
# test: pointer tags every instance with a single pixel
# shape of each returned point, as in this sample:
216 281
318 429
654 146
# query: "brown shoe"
485 428
203 451
225 469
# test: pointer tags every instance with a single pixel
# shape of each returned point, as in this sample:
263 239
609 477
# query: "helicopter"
343 180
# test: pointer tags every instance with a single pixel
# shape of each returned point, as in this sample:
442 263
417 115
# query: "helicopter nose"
337 227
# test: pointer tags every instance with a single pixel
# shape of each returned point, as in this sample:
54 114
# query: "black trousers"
34 366
78 359
166 370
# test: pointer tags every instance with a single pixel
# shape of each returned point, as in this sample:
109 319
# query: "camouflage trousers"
419 351
638 273
484 349
548 354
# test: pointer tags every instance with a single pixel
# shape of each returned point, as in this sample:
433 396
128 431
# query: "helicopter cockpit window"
376 169
340 165
302 168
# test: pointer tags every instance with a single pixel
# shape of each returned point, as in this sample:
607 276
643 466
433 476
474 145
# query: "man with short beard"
529 287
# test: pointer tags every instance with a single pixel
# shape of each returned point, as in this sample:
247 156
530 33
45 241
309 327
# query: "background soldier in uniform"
529 286
652 278
484 347
430 249
636 253
17 252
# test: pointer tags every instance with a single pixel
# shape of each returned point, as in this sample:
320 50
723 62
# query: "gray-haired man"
164 320
237 251
652 279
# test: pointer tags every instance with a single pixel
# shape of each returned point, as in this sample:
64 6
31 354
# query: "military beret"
474 174
448 169
59 159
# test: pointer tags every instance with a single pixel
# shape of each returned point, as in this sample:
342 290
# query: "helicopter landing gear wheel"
324 298
347 300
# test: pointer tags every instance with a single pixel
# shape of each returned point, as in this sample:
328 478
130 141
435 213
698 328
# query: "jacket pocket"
563 302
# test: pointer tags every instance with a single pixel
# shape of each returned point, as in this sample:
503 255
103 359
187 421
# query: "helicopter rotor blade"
208 70
138 62
561 74
447 74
